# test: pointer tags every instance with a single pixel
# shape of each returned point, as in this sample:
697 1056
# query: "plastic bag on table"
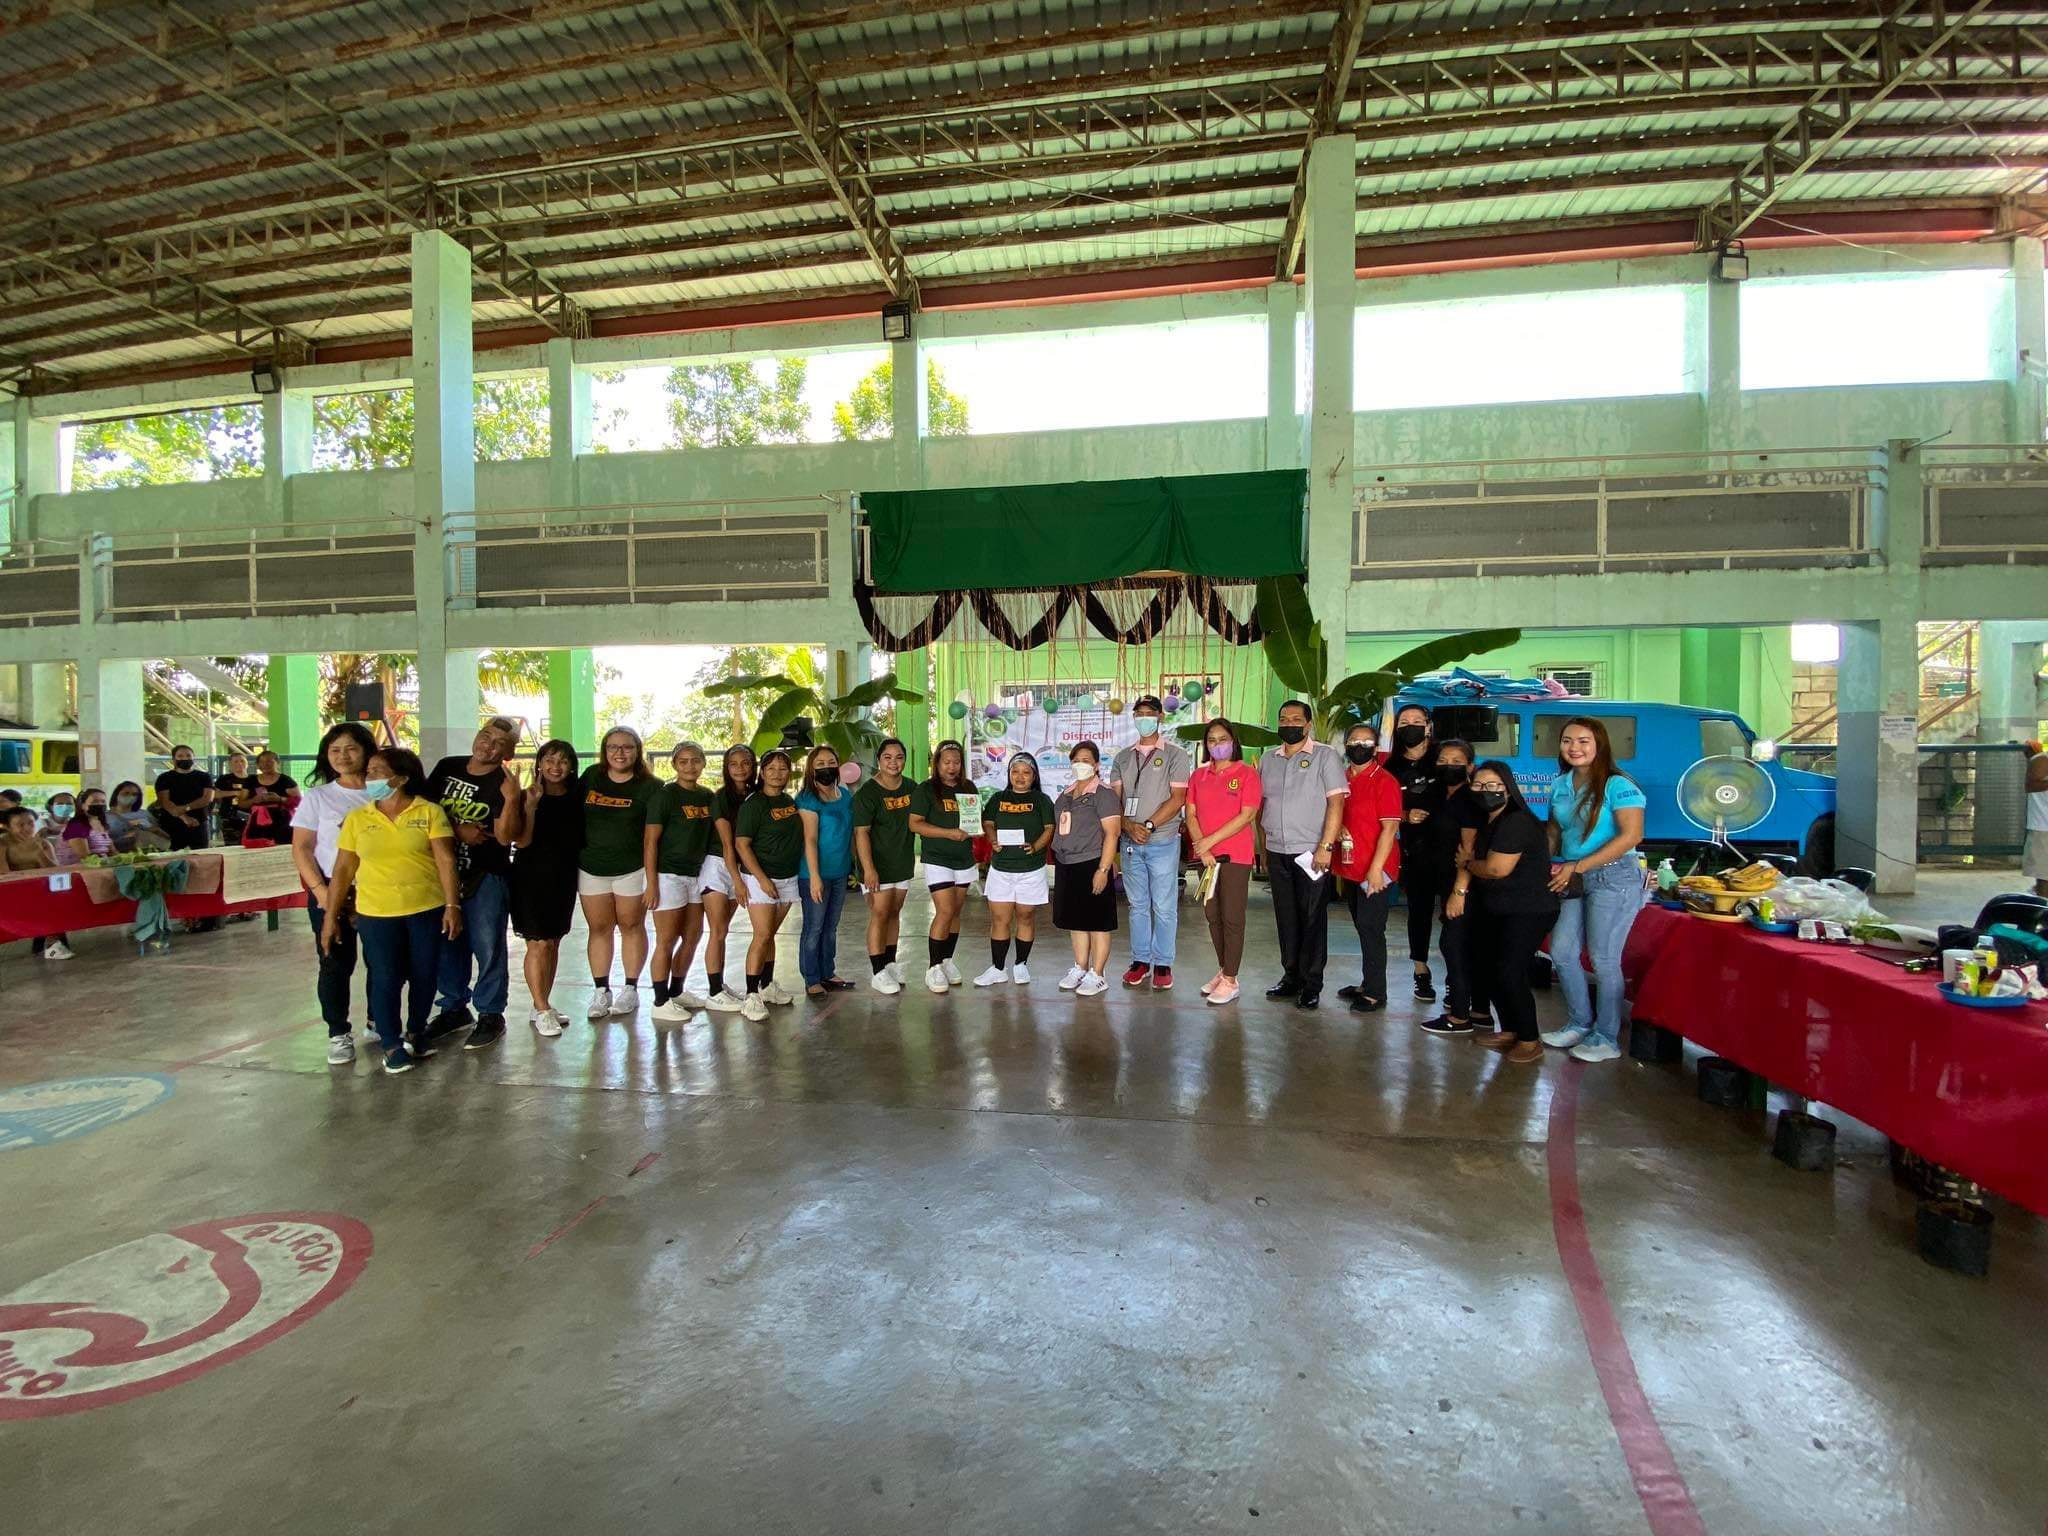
1836 901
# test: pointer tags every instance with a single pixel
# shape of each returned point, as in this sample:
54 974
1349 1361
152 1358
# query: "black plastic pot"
1723 1083
1909 1168
1646 1042
1954 1234
1804 1142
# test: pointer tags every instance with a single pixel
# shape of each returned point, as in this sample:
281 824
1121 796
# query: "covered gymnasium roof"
198 181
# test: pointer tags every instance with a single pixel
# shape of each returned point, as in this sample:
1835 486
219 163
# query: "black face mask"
1406 736
1360 752
825 778
182 764
1293 733
1491 799
1453 773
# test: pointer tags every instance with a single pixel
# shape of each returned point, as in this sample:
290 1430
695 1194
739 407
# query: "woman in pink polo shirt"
1224 794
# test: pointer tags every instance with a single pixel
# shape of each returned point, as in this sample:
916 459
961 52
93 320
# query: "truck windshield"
1722 738
1621 734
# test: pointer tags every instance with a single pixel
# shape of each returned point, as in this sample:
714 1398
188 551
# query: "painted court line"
1667 1503
575 1221
239 1045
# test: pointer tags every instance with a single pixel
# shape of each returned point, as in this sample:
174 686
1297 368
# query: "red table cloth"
1964 1087
29 909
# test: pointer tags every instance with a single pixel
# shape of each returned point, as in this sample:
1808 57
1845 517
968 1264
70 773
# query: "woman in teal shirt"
825 806
1596 821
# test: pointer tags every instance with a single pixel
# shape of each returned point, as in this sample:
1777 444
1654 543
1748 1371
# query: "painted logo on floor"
38 1114
168 1307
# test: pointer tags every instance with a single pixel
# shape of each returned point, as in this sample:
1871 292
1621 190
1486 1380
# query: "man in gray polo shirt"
1304 787
1151 781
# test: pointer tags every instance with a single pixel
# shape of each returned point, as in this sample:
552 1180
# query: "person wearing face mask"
1368 860
1509 868
1447 843
1084 847
183 794
1151 778
23 849
1302 795
87 833
336 787
57 816
1413 765
1224 796
825 807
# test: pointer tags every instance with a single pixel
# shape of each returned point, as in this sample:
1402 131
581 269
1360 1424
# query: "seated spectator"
88 834
22 849
231 791
57 816
134 829
273 795
183 795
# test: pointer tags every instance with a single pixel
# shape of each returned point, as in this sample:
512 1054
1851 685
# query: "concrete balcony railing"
274 571
1639 512
38 584
1984 504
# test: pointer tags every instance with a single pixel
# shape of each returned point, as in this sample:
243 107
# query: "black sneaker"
1425 989
1283 988
1445 1025
1347 993
1363 1004
490 1029
449 1020
398 1061
418 1047
1308 1002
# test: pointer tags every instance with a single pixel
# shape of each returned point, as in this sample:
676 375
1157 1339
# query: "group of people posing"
419 872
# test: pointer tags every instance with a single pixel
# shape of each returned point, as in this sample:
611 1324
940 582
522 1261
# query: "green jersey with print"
1030 814
684 816
615 823
941 807
772 823
886 815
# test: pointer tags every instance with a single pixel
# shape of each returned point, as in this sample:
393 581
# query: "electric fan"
1725 794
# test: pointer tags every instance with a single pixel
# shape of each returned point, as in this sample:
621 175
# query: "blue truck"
1654 745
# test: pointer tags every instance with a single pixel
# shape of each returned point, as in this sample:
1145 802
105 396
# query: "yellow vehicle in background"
38 763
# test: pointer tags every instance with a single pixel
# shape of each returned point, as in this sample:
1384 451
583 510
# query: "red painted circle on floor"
162 1309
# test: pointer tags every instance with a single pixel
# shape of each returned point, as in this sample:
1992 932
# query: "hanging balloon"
1191 691
957 710
1086 701
993 711
1052 706
849 773
1116 706
1009 715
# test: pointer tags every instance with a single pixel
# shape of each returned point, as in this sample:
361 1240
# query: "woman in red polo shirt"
1224 795
1368 860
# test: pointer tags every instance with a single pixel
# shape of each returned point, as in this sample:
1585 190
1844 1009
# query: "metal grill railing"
1678 511
648 552
1984 503
363 566
38 584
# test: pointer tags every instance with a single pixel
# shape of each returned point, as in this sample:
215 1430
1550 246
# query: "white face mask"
1083 769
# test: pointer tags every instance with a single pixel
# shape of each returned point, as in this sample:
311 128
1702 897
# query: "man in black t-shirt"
183 795
231 799
484 805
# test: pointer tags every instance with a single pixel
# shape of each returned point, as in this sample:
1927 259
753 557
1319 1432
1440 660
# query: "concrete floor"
987 1263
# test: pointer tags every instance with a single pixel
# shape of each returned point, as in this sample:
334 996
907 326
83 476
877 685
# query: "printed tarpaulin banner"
1236 527
1048 738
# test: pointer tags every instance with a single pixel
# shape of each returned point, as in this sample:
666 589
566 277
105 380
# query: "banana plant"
837 722
1299 657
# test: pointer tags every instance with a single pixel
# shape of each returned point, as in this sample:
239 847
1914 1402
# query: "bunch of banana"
1752 878
1704 884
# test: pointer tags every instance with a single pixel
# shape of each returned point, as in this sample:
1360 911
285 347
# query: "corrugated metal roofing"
612 158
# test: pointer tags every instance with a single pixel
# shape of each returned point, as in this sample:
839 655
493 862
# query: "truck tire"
1817 859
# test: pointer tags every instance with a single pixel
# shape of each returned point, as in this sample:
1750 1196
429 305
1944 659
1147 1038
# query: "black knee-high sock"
889 955
662 993
1024 950
602 983
876 962
753 983
767 971
999 952
936 947
952 945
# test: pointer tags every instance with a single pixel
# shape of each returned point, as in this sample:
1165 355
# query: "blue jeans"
483 940
817 952
1152 881
335 969
404 956
1597 923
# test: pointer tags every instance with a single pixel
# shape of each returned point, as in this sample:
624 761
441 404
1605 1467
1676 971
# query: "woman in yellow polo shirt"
398 853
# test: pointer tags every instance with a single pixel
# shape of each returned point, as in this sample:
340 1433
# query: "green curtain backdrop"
1233 527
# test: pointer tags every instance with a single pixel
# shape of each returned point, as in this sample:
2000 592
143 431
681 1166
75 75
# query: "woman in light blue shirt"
1596 821
826 808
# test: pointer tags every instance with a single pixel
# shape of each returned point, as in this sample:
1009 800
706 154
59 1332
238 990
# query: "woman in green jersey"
1018 820
885 851
678 837
770 841
948 851
614 872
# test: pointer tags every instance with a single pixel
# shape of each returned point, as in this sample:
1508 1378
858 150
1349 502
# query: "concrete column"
1724 364
1877 793
1330 296
570 421
2009 703
287 446
910 410
1710 668
43 694
1283 374
572 700
444 488
37 469
293 706
110 739
2030 341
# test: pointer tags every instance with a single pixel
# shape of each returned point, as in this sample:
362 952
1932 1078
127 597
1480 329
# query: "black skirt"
543 898
1075 905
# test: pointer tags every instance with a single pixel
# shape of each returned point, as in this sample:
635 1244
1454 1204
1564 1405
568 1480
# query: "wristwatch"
1149 827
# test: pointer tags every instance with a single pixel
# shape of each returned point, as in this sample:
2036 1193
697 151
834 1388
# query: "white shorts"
634 884
714 878
937 877
678 891
892 885
1026 890
784 894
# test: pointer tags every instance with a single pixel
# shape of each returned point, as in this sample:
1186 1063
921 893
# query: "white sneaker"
775 992
626 999
991 976
884 983
545 1022
674 1011
560 1017
57 949
1020 973
1563 1039
952 973
935 979
600 1004
1090 985
341 1050
725 1000
1596 1050
1076 974
894 971
753 1008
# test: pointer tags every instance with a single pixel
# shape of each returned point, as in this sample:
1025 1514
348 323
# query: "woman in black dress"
544 875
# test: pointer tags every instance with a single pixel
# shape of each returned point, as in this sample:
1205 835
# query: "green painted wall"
572 700
293 705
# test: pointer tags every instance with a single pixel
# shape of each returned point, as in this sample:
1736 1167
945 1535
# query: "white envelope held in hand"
1307 862
1009 837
